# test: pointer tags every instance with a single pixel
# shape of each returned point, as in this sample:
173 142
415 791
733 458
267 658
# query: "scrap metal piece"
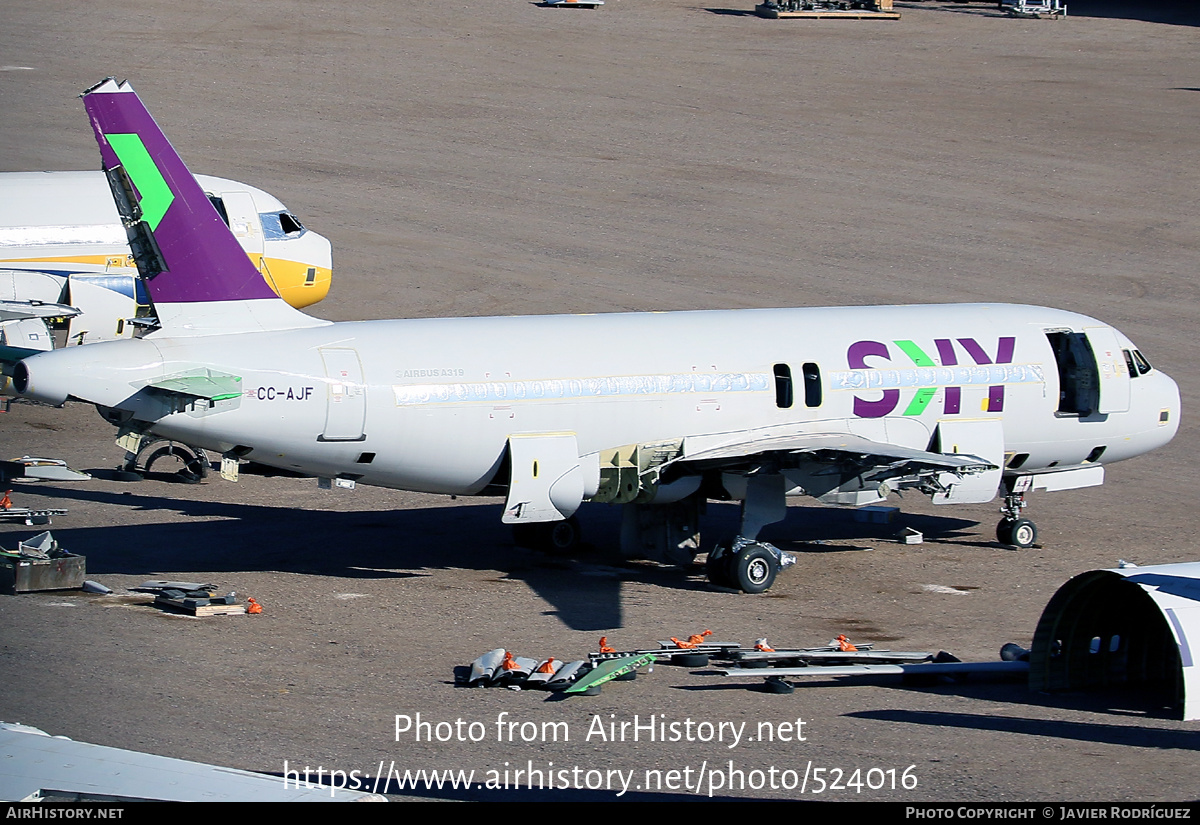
565 675
37 767
28 469
484 668
607 671
952 669
1136 626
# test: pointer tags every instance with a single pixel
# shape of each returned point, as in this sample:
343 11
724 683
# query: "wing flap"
834 467
745 451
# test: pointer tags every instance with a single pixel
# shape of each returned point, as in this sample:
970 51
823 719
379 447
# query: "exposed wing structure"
835 467
788 450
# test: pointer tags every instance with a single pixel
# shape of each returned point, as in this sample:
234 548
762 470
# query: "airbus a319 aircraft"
655 411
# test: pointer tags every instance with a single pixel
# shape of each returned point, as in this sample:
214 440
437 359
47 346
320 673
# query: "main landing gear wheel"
1016 532
755 569
549 536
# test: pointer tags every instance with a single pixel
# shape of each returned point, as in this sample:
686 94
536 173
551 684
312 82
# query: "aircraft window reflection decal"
812 385
783 386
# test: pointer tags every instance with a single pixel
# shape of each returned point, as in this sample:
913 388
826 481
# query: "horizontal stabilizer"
205 385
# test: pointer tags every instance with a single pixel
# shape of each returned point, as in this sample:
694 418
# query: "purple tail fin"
183 249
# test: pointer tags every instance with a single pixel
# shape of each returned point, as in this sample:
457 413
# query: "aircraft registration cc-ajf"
845 404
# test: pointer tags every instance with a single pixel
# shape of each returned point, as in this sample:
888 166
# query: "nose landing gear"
1013 530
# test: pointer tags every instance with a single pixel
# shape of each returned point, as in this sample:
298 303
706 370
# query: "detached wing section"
837 468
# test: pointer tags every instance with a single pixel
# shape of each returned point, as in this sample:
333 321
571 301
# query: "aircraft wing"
832 466
25 322
749 454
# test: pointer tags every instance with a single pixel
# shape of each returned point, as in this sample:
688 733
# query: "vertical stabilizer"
197 274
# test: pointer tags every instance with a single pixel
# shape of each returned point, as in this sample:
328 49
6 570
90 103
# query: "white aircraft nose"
1166 407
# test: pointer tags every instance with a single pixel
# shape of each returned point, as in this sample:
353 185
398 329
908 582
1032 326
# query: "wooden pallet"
201 610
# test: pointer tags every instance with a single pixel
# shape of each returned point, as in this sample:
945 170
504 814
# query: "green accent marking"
916 354
156 194
213 386
920 401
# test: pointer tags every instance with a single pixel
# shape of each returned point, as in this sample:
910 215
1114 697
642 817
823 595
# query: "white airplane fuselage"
658 411
430 405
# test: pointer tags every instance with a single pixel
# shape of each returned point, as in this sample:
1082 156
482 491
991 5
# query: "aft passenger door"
346 396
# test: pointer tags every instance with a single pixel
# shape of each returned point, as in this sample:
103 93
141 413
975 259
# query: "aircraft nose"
1168 406
301 268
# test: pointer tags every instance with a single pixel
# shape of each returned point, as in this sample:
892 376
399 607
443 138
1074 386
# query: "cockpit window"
281 226
290 223
219 205
1143 366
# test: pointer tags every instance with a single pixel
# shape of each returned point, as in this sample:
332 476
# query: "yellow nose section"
298 283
